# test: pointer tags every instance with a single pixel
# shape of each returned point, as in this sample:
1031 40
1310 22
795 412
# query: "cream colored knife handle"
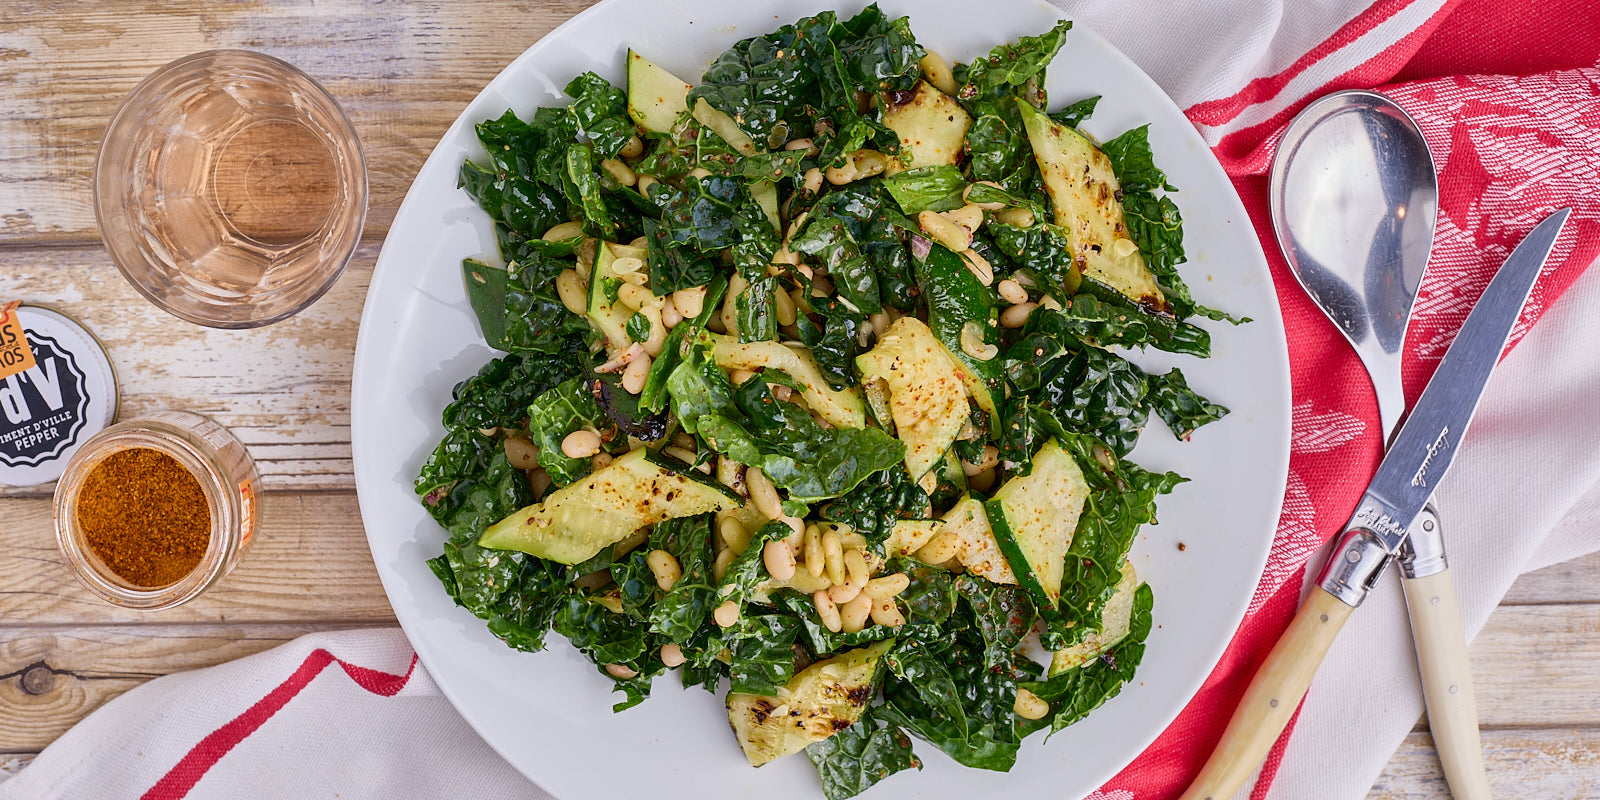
1272 698
1447 683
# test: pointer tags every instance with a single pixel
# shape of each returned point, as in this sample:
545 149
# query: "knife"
1442 658
1406 478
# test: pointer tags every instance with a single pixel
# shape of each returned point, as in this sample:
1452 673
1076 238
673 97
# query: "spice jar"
153 511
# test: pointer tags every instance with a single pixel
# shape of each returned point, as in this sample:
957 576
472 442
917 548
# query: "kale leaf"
858 757
877 503
1073 693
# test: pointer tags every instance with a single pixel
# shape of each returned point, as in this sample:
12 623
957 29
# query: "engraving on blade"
1420 479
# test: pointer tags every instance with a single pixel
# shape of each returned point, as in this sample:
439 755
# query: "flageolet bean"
733 534
833 557
581 444
937 72
814 561
1029 705
619 172
1016 215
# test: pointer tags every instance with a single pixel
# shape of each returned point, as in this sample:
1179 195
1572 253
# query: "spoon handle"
1273 696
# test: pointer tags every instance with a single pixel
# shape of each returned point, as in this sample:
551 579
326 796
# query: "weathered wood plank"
283 389
403 72
52 677
1575 581
309 566
1562 763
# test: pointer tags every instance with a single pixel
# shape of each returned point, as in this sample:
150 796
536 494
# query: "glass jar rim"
164 437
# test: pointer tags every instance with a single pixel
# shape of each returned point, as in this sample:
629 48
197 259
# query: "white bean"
672 655
990 457
665 567
621 671
887 586
670 317
941 548
783 307
827 610
565 230
634 375
886 612
778 557
522 453
1011 291
996 206
978 266
633 148
581 444
571 290
968 216
690 301
725 557
1017 315
763 493
853 615
727 614
944 231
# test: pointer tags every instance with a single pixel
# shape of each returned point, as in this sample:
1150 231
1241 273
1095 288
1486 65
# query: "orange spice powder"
145 516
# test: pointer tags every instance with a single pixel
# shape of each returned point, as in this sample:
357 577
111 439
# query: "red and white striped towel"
352 714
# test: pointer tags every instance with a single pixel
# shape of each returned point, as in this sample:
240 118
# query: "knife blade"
1406 478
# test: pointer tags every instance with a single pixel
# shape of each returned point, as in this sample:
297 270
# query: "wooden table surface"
403 72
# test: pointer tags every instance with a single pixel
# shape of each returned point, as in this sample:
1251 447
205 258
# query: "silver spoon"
1354 202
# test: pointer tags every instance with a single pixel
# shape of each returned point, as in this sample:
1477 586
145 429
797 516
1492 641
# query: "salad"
813 393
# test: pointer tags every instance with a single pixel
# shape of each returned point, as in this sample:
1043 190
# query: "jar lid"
56 390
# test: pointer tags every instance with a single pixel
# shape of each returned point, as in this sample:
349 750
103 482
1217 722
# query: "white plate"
549 713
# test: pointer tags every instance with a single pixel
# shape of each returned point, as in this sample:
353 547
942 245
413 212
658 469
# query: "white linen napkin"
351 714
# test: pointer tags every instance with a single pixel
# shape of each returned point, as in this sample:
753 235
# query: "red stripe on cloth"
1248 151
1224 110
203 756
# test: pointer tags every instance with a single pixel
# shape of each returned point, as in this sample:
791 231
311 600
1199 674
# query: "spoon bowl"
1354 200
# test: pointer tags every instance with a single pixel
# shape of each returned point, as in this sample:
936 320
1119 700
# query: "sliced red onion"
920 247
